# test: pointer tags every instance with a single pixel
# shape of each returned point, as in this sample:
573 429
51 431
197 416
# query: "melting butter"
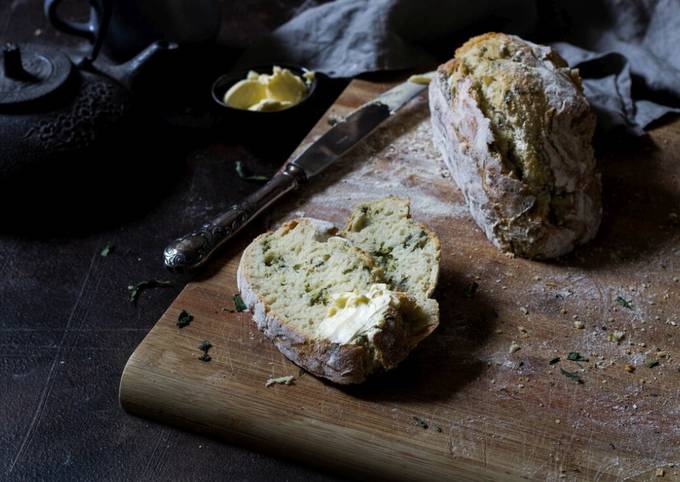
422 79
266 93
352 314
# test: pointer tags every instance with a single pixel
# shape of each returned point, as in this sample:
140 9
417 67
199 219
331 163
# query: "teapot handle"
93 30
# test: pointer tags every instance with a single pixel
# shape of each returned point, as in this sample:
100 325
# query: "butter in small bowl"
264 92
263 101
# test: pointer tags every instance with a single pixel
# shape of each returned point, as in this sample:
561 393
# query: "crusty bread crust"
438 247
340 363
501 203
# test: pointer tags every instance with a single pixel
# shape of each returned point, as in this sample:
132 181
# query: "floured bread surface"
323 302
515 129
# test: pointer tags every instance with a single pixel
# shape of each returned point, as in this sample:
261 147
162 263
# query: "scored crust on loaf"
295 278
515 129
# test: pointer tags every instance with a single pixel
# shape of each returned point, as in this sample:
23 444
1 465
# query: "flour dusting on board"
572 363
399 158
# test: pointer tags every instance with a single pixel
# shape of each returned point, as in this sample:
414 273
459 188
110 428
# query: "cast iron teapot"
52 110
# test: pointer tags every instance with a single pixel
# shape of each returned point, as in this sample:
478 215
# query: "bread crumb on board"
287 380
514 346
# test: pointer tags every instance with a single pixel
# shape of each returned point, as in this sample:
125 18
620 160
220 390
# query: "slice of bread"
325 305
407 251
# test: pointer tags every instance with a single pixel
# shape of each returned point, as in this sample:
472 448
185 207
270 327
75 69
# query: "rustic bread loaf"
324 303
515 129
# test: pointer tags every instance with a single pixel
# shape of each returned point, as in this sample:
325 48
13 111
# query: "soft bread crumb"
407 251
287 380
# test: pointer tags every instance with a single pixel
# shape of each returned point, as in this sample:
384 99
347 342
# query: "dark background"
66 324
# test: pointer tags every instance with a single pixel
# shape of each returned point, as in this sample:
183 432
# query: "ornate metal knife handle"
193 250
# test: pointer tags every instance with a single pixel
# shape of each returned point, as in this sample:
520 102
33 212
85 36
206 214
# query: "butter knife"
193 250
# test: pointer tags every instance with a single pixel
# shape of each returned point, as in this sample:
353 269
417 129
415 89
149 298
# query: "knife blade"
194 249
359 124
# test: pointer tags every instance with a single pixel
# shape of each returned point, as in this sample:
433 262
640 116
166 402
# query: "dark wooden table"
66 325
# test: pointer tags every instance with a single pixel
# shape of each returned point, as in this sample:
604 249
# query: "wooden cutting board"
462 407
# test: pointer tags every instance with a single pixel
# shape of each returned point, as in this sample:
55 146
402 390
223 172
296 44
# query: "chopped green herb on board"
420 422
624 302
136 289
572 375
247 176
106 250
652 364
470 290
239 304
204 346
184 319
554 360
576 356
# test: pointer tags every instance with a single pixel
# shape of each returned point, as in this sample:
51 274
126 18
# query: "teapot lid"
30 73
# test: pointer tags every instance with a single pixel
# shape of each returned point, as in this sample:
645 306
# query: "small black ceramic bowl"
244 120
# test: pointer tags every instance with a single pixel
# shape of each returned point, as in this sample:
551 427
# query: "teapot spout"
127 73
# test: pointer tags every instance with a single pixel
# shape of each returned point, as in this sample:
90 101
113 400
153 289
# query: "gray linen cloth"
628 51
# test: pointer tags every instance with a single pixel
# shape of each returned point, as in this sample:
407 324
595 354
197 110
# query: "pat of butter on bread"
354 314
